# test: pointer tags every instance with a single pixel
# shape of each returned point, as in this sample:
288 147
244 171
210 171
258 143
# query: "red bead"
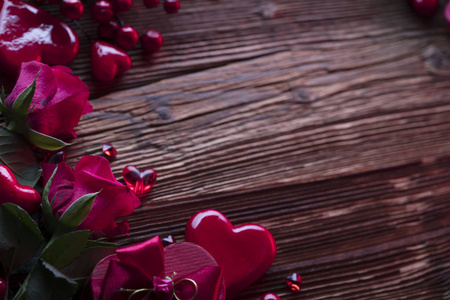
127 37
139 182
102 11
168 241
151 42
108 31
171 6
108 61
294 282
109 150
425 8
72 9
55 158
270 296
2 288
122 5
151 3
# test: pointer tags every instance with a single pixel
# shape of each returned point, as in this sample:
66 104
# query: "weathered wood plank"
325 121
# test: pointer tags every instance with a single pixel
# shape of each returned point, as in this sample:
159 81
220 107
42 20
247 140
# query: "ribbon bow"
139 270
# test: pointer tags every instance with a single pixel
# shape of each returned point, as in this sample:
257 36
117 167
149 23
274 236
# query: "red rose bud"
163 288
90 175
65 102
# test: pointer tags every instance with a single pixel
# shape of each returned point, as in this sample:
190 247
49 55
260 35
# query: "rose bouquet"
55 235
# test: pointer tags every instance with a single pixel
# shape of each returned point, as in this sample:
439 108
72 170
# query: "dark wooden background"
325 121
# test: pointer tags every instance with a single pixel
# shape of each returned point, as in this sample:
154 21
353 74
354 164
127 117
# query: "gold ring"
190 280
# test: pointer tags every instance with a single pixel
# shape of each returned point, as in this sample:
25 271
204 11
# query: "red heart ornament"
108 61
28 33
181 258
139 182
13 192
185 258
245 252
270 296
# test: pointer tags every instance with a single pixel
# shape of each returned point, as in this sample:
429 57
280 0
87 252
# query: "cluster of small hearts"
28 33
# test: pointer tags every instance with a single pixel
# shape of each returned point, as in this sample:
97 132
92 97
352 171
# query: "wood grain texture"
325 121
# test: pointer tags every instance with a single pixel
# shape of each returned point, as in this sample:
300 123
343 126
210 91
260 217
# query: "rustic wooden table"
325 121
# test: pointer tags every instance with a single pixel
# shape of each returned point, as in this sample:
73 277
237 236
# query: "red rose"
92 174
59 101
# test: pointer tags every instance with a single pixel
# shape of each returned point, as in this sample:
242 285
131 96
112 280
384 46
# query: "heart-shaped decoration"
245 252
139 182
28 33
270 296
186 258
108 61
13 192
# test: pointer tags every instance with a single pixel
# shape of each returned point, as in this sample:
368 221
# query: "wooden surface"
325 121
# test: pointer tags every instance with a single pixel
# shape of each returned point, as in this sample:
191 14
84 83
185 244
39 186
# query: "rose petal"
45 84
95 165
62 184
114 200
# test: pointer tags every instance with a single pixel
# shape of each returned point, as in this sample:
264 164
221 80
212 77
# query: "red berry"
171 6
2 288
72 9
122 5
151 41
151 3
108 31
102 11
127 37
425 8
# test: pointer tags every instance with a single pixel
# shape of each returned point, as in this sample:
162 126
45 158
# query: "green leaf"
45 282
65 248
44 141
83 265
15 154
3 95
76 213
94 243
46 207
23 101
19 236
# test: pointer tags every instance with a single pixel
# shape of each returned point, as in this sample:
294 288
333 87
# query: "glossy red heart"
28 33
245 252
13 192
270 296
108 61
139 182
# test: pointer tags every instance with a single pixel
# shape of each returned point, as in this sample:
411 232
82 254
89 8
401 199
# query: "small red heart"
108 61
139 182
245 252
270 296
13 192
28 33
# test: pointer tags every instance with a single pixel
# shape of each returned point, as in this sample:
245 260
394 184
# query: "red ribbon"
134 267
